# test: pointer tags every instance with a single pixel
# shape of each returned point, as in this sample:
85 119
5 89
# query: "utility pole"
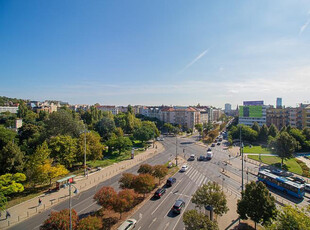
241 152
70 212
176 150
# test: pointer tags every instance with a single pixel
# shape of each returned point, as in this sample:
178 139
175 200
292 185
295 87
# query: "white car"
192 157
184 168
128 224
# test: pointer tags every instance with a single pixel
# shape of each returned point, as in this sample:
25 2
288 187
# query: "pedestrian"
8 215
40 201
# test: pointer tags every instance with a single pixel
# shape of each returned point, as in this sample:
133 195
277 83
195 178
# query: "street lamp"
85 131
76 191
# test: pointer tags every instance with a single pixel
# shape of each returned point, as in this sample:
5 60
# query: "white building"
109 108
251 112
11 109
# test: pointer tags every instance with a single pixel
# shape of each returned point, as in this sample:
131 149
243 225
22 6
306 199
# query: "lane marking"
152 222
167 225
165 198
181 215
87 207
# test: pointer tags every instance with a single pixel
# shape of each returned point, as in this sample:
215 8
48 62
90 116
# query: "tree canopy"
194 220
211 194
257 203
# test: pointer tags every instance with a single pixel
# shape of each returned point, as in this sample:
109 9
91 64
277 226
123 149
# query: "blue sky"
156 52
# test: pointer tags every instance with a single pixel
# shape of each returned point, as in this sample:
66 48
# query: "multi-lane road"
156 214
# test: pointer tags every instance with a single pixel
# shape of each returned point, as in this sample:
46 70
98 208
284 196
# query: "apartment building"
278 117
217 113
108 108
187 117
306 117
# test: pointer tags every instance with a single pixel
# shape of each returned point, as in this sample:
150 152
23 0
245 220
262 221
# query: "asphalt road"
83 203
156 214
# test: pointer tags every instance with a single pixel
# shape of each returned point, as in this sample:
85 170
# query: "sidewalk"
30 208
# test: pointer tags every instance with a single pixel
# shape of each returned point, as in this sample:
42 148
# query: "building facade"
306 117
187 117
227 109
109 108
11 109
279 103
251 112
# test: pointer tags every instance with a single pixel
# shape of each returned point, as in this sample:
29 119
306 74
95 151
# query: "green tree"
273 131
199 127
105 127
211 194
9 184
256 127
11 159
30 136
208 127
145 169
6 136
118 143
143 134
63 150
120 120
306 133
168 127
143 183
61 220
94 147
119 132
257 203
300 138
263 134
90 223
34 162
63 122
285 146
291 218
160 171
194 220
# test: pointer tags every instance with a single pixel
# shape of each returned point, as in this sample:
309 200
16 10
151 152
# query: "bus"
281 183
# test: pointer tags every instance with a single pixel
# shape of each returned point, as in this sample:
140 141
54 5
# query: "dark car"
178 206
209 149
170 181
298 180
201 158
159 192
218 143
213 145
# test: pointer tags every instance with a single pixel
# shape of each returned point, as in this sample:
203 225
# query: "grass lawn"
289 165
256 149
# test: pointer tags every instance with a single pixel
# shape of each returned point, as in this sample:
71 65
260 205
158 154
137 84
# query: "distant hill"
7 101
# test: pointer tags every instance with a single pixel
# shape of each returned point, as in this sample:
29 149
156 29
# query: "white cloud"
304 26
195 60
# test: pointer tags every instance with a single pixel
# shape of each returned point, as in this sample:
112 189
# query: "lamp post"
241 152
176 150
76 191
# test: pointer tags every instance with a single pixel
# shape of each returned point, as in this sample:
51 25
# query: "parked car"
184 168
128 224
178 206
170 181
213 145
278 172
201 158
298 180
209 149
192 157
159 192
218 143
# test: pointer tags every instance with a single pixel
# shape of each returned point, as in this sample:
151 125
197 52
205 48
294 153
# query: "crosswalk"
196 176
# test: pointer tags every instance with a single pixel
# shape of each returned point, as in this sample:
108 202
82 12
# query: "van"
209 155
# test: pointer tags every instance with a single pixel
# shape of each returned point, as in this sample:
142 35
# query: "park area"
289 165
256 149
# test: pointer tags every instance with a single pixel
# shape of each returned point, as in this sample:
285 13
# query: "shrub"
90 223
60 220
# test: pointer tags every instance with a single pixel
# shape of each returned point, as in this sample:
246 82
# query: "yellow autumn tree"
48 171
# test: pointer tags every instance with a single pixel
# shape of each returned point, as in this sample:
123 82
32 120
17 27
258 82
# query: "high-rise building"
227 108
279 103
252 111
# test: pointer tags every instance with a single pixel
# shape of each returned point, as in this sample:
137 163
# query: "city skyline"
156 53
